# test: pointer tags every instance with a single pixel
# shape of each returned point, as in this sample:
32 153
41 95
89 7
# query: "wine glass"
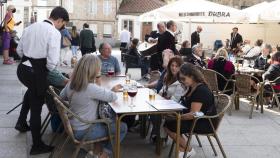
132 91
111 71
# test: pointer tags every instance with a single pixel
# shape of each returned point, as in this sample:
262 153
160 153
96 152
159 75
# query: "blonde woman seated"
84 93
172 88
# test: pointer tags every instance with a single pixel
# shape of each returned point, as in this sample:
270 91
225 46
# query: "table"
250 71
122 109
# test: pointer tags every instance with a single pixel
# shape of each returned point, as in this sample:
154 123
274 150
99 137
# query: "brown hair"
169 78
74 31
193 72
276 56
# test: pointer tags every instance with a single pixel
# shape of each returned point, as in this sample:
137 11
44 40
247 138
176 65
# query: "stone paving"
241 137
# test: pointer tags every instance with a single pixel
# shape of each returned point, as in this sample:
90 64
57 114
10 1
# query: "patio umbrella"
195 11
271 13
253 12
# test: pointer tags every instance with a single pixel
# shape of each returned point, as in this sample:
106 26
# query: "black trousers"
31 101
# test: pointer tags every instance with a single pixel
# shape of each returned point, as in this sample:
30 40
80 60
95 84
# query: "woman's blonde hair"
10 7
85 72
221 53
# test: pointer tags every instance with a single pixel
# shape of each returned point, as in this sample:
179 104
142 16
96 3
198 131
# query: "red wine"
132 93
110 73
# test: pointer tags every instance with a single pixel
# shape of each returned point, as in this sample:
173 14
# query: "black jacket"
193 60
195 38
166 41
261 63
153 34
234 41
272 73
87 39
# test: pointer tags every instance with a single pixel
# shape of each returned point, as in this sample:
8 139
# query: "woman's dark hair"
169 78
193 72
185 43
259 42
86 25
276 56
135 41
59 13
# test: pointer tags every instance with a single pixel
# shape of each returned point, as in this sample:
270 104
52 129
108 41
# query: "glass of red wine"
132 91
111 71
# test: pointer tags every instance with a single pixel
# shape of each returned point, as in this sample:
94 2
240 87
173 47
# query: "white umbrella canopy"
271 13
195 11
253 12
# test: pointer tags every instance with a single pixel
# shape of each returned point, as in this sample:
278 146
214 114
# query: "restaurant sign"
209 14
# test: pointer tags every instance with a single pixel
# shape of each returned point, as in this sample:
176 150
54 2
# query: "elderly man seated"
196 57
109 62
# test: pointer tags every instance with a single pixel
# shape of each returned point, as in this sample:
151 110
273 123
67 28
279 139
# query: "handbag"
66 42
105 111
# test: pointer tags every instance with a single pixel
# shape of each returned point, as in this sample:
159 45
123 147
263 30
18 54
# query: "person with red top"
221 64
9 24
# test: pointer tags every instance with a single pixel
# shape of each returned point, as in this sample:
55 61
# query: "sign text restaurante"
210 13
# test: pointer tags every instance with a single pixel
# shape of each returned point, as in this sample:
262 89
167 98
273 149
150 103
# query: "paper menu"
163 105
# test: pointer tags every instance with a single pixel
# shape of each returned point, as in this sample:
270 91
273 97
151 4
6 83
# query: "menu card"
166 105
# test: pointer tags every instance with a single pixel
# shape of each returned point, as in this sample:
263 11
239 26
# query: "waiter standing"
195 38
236 38
39 48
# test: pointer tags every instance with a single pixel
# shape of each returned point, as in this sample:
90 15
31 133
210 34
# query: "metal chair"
212 77
222 103
242 87
65 113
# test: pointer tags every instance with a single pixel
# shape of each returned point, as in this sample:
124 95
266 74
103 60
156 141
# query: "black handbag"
105 111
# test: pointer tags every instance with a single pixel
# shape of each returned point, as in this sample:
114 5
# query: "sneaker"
22 127
41 149
8 62
189 154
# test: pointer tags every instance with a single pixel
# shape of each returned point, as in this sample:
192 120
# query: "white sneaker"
189 154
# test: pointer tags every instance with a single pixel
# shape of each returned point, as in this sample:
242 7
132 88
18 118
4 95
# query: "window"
129 24
107 30
26 16
69 6
93 7
93 28
107 7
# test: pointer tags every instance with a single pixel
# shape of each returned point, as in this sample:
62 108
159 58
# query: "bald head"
199 29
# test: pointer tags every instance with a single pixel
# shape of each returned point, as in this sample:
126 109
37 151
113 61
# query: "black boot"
40 149
22 127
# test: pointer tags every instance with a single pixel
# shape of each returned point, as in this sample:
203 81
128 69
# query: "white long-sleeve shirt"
41 40
253 52
125 36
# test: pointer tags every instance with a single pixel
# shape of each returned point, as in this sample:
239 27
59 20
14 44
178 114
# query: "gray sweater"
85 103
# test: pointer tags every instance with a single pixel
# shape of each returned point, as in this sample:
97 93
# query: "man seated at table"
196 57
261 62
271 74
253 53
108 61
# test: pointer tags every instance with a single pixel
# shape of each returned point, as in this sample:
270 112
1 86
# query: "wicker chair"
242 87
211 77
222 102
275 94
65 113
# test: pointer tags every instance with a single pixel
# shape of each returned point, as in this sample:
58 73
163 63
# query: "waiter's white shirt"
125 36
41 40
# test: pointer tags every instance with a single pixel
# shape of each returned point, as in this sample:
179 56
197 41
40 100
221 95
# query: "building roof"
137 7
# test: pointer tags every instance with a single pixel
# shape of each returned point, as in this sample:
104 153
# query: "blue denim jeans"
100 130
74 50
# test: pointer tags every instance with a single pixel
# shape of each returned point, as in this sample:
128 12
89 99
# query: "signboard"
209 14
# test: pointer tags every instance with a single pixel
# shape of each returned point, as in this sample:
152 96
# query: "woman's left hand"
117 87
